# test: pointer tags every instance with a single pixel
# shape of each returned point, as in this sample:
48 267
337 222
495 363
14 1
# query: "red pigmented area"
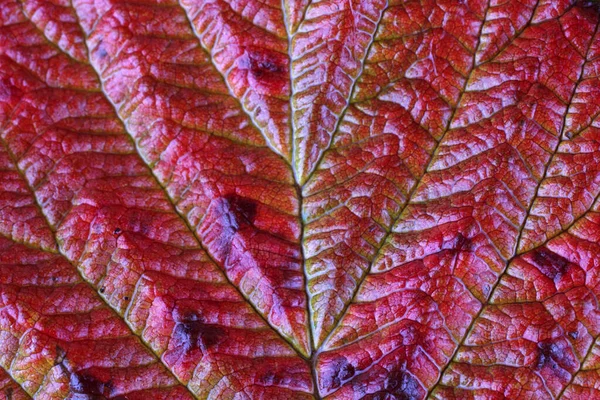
326 199
265 266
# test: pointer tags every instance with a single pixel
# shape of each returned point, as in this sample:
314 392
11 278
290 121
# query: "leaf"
10 389
289 199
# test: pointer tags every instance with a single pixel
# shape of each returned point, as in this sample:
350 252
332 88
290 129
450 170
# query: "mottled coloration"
299 199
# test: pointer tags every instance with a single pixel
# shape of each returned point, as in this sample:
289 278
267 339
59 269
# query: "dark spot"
231 217
100 50
589 8
548 353
126 298
569 135
398 385
82 383
549 263
270 378
8 393
102 289
594 4
263 65
574 334
145 228
117 232
462 243
486 289
86 384
234 213
336 372
61 354
192 333
241 209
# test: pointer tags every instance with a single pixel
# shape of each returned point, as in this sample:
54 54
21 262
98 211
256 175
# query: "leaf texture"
10 389
129 244
289 199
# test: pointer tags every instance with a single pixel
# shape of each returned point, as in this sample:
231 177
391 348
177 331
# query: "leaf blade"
437 192
116 224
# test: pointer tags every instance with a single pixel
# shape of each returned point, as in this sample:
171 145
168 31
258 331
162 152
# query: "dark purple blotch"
192 333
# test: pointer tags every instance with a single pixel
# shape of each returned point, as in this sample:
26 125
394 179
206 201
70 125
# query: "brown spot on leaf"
555 359
192 333
242 209
259 68
590 8
549 263
61 354
82 383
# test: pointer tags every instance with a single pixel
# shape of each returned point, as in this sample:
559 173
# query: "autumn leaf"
260 199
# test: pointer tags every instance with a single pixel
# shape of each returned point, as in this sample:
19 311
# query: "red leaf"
354 199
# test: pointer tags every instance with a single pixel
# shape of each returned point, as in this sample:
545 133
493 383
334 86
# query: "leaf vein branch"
178 213
410 195
348 102
229 88
521 230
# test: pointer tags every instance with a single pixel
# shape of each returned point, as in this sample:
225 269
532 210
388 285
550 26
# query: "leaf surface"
265 199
